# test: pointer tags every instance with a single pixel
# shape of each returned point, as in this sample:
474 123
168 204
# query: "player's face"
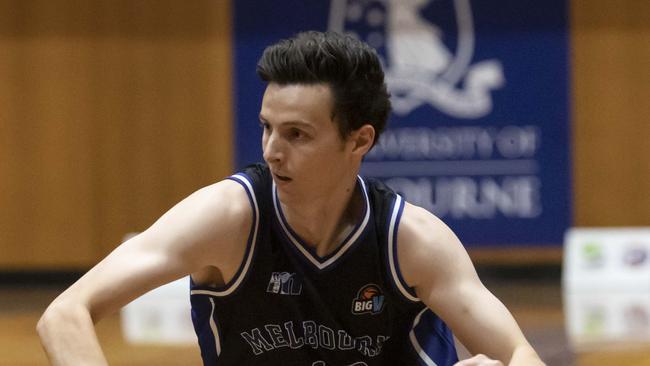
301 142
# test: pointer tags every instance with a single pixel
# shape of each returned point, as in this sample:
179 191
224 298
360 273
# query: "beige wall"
112 111
611 122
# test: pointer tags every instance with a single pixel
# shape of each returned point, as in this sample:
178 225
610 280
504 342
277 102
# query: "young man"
300 261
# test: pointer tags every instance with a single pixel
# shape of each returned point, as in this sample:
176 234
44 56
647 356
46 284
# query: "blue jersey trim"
432 340
207 329
244 267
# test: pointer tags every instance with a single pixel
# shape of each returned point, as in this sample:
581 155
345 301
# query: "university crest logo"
421 66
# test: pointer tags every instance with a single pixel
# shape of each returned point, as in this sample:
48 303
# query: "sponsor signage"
479 133
607 259
606 287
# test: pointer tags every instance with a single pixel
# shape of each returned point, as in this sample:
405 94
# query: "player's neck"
325 221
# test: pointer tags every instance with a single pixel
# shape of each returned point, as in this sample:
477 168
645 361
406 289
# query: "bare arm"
209 228
435 263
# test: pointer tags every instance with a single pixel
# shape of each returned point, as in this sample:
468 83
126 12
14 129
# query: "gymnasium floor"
536 303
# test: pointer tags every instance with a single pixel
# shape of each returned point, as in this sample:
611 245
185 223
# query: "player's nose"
272 149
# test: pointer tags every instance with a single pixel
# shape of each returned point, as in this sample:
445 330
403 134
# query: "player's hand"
479 360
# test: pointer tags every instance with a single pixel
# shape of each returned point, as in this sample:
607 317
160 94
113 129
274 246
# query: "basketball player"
299 261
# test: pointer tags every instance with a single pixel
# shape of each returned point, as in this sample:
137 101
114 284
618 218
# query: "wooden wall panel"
611 129
110 112
47 195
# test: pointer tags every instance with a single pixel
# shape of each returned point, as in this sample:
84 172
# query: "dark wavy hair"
350 67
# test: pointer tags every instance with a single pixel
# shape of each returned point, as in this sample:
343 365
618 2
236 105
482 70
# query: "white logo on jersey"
419 67
284 283
310 334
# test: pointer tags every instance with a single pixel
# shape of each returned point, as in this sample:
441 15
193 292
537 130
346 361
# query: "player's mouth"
281 178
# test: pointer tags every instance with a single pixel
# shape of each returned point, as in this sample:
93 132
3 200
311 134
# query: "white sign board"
161 316
606 286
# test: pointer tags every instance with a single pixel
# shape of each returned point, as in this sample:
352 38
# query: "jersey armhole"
244 267
393 264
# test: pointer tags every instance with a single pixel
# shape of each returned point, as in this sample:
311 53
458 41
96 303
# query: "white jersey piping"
348 243
251 250
391 251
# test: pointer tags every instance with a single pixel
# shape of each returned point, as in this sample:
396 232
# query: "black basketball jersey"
288 306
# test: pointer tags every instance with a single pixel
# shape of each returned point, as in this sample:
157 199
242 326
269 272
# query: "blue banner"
479 134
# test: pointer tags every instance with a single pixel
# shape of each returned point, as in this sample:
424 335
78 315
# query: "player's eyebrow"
296 123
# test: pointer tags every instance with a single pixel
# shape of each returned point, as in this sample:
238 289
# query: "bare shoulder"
418 225
214 218
226 199
426 246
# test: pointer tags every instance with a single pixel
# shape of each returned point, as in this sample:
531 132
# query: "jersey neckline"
309 254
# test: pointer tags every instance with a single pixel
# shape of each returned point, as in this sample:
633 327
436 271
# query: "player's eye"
296 134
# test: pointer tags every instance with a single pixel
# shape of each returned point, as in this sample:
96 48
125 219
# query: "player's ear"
363 139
